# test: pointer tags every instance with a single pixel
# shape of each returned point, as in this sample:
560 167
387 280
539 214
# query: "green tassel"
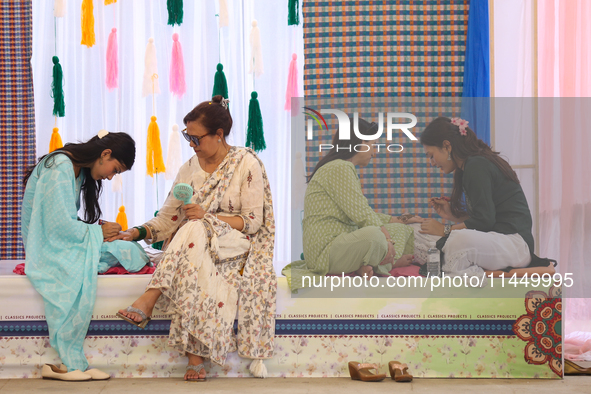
255 137
157 245
220 86
57 89
293 16
175 12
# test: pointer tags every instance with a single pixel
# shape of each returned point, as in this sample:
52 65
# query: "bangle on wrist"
142 231
446 229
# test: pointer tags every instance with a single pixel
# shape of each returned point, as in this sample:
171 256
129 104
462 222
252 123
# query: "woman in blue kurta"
62 250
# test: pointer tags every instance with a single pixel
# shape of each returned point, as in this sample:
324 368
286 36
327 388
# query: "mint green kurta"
63 255
334 204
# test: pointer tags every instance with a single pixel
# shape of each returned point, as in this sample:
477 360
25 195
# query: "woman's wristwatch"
446 230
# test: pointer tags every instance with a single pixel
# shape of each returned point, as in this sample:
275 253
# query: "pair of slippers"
363 372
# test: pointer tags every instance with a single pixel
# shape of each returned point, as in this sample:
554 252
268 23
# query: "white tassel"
59 8
258 369
117 183
256 57
224 18
173 159
150 69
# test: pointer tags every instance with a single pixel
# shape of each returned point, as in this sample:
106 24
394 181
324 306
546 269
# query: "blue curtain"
476 89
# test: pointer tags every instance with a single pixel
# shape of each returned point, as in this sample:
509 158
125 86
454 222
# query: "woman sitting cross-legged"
493 229
342 233
220 254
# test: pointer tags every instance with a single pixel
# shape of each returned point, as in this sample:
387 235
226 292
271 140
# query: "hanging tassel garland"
57 89
56 141
220 85
154 159
107 2
87 23
175 12
151 68
112 61
224 18
256 57
122 218
177 68
59 8
292 82
255 137
174 156
293 15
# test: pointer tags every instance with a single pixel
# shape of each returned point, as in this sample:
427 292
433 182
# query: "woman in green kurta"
342 233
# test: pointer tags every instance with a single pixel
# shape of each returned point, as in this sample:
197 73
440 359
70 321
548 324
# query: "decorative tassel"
59 8
107 2
122 218
258 369
154 160
224 18
150 69
57 90
175 12
174 156
177 68
220 85
117 184
112 61
255 137
56 141
87 23
292 82
293 16
256 57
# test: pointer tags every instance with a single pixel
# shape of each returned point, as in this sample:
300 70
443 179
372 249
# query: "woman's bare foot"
192 374
145 303
365 270
404 261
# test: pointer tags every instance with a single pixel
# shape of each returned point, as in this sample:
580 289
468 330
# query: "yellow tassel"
87 23
122 218
154 159
56 140
107 2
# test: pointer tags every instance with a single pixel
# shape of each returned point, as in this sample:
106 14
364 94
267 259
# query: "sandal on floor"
360 371
572 368
196 368
399 372
142 324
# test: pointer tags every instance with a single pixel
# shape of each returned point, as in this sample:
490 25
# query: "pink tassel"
292 82
112 61
177 68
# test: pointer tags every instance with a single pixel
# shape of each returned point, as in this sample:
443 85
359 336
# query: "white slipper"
50 371
95 374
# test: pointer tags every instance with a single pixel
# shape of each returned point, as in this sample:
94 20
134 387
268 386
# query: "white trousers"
471 252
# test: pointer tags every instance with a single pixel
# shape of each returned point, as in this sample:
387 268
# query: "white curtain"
91 107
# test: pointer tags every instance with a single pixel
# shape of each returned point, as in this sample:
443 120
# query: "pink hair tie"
461 123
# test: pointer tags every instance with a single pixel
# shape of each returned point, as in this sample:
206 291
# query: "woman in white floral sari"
220 258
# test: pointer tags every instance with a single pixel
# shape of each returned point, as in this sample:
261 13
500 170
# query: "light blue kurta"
63 254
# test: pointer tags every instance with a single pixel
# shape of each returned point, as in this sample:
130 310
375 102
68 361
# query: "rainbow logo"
316 115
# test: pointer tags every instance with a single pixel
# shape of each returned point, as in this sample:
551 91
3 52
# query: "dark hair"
83 155
212 115
338 150
463 146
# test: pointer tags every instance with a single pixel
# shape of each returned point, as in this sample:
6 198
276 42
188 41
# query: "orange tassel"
122 218
107 2
87 23
154 159
56 140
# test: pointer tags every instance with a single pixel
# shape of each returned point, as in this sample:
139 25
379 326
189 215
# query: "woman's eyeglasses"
193 138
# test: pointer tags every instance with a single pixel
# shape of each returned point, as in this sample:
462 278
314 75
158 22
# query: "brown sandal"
360 371
572 368
399 372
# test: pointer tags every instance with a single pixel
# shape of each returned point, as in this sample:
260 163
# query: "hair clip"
461 123
102 133
225 102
